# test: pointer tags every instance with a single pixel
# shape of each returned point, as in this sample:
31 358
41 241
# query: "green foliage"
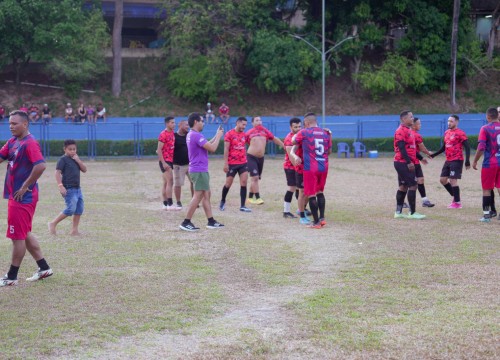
281 62
393 76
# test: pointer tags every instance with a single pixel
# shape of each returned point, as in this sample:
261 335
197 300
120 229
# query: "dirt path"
258 321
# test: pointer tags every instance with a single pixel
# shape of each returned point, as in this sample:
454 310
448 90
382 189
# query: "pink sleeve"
4 152
34 153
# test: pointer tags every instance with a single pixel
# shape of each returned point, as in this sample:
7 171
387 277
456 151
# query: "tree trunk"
454 43
116 86
355 66
493 32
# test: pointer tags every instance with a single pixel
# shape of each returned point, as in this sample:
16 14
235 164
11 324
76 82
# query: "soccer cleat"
288 215
178 206
322 222
171 208
214 225
455 205
245 209
427 203
485 219
222 206
405 206
164 207
188 227
399 215
493 214
259 201
5 281
252 201
314 225
415 216
304 221
40 275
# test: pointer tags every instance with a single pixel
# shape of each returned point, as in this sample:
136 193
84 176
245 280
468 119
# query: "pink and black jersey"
453 142
237 154
22 155
259 131
315 143
489 142
168 139
287 164
404 133
418 140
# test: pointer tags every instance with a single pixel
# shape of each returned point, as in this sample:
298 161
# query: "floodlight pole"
323 59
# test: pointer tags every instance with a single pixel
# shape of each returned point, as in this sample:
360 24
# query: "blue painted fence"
139 129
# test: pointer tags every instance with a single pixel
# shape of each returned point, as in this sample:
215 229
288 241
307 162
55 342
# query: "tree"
454 44
59 33
116 86
495 23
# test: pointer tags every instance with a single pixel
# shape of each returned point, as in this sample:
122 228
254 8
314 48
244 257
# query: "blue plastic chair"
342 148
359 149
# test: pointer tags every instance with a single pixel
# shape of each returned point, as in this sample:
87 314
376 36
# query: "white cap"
208 103
68 104
45 105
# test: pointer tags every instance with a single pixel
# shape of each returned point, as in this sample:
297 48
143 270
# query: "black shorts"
237 169
255 165
452 169
405 176
169 163
290 175
299 180
418 171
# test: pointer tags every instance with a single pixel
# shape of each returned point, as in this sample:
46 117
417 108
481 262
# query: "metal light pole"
323 58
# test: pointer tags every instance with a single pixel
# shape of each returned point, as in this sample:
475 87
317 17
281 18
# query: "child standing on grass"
68 181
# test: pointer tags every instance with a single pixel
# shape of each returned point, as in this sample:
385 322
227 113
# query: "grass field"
367 286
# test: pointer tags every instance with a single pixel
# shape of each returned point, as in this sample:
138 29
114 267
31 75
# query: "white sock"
286 207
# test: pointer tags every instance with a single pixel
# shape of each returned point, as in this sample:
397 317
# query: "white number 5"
11 229
319 147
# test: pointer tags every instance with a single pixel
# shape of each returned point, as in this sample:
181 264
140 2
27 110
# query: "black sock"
492 202
313 205
421 190
412 198
170 202
486 204
225 190
456 194
288 197
243 195
321 205
400 200
257 195
42 264
211 220
302 214
12 274
165 203
250 195
447 186
297 194
186 221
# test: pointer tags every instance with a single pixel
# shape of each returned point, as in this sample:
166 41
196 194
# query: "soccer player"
419 142
165 152
181 162
290 173
316 144
235 162
25 166
257 137
489 145
198 148
455 141
405 158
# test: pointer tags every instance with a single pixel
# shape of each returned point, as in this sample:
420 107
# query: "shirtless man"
257 138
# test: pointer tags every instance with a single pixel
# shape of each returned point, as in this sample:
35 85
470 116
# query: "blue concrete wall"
347 127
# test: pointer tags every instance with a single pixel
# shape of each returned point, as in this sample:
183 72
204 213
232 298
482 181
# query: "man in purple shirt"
198 148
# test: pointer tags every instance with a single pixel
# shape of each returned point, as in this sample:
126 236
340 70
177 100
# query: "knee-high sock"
456 194
321 205
492 202
225 190
486 204
313 205
288 200
400 200
412 198
243 195
447 186
421 190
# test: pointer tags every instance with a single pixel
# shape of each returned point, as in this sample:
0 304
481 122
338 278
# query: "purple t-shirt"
198 156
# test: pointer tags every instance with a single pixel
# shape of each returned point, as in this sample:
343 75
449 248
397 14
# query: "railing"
137 130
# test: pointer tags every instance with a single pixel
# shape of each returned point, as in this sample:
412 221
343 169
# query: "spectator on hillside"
224 113
209 113
34 114
100 112
91 113
81 114
46 114
69 115
24 108
2 112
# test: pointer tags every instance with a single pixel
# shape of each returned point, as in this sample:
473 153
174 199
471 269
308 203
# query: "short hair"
415 119
309 114
404 113
192 118
255 117
69 142
241 118
22 114
295 120
455 117
492 113
169 118
310 117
